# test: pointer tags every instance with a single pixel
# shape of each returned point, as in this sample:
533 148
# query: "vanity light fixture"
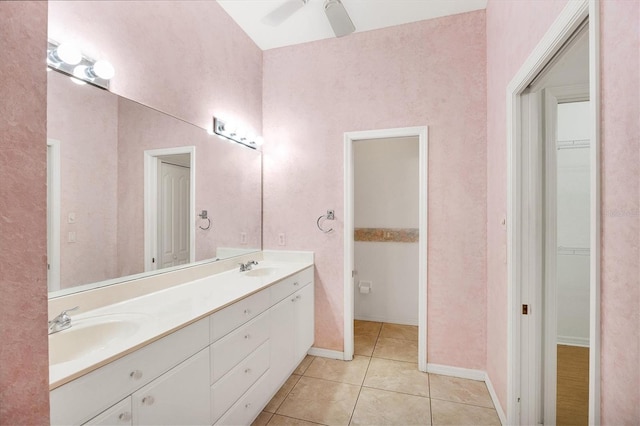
68 59
233 133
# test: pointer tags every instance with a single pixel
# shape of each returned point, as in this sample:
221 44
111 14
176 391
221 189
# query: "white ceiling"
310 23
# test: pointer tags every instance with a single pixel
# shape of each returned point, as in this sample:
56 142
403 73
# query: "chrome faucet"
247 267
61 322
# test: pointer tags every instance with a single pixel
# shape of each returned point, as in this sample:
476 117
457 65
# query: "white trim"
349 138
151 202
583 342
402 321
594 226
326 353
471 374
496 401
463 373
560 31
53 195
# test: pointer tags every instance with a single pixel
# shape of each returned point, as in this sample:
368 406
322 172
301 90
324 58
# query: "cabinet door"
304 322
178 397
282 340
119 414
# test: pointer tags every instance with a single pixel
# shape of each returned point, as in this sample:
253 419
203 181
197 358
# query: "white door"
173 215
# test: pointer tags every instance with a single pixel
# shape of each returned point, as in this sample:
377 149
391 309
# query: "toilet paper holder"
364 287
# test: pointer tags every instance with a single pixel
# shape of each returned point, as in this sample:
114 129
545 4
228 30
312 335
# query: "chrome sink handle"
247 267
61 322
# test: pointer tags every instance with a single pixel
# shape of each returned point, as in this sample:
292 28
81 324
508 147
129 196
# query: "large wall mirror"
128 186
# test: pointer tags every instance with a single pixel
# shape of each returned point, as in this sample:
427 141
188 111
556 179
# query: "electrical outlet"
72 237
281 240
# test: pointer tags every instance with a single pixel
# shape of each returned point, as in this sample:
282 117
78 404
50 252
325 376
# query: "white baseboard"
467 373
496 402
403 321
573 341
326 353
463 373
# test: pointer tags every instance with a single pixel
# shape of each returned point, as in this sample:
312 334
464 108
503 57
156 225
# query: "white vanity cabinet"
222 369
84 398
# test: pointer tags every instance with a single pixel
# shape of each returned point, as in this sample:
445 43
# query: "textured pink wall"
84 120
620 304
24 370
186 58
427 73
513 30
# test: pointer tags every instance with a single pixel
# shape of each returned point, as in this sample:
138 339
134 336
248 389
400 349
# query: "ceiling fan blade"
283 12
338 18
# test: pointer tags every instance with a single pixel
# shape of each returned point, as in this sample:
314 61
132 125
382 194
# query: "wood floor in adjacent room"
572 406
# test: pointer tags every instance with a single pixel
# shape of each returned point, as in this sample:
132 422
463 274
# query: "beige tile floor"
381 386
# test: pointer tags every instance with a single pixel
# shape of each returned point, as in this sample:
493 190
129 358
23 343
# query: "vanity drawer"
234 347
249 405
229 388
231 317
80 400
290 285
119 414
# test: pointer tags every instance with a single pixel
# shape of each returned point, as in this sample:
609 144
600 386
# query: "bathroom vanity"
209 351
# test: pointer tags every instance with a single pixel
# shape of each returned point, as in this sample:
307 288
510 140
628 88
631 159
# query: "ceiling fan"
334 9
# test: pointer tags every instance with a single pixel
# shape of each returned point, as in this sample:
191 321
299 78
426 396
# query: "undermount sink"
89 335
261 272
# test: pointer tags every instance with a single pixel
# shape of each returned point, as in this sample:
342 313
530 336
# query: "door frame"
53 210
151 160
349 138
519 235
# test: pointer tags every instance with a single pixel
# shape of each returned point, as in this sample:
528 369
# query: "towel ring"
320 227
208 226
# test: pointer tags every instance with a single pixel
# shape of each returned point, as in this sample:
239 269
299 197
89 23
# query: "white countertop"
160 313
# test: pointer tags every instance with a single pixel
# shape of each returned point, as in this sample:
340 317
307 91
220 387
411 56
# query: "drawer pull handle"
293 300
136 374
148 400
298 297
247 336
247 405
248 370
247 311
296 283
124 417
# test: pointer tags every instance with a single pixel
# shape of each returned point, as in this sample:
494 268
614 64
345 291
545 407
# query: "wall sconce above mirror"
68 59
234 133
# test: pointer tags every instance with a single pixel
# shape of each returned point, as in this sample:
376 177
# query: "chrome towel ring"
204 215
329 216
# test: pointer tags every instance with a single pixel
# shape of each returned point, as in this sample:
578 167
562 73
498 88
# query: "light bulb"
80 72
77 81
103 69
69 53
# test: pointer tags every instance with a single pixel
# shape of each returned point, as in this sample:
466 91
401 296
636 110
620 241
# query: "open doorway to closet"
385 244
553 227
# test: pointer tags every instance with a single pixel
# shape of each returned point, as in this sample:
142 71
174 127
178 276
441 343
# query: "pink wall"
513 30
620 262
427 73
84 120
24 370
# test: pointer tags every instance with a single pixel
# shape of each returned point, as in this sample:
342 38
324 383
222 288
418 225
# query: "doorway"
553 226
350 272
169 207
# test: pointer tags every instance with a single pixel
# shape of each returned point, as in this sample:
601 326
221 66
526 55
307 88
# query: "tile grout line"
359 392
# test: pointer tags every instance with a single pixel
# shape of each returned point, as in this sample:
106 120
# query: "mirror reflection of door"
173 210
